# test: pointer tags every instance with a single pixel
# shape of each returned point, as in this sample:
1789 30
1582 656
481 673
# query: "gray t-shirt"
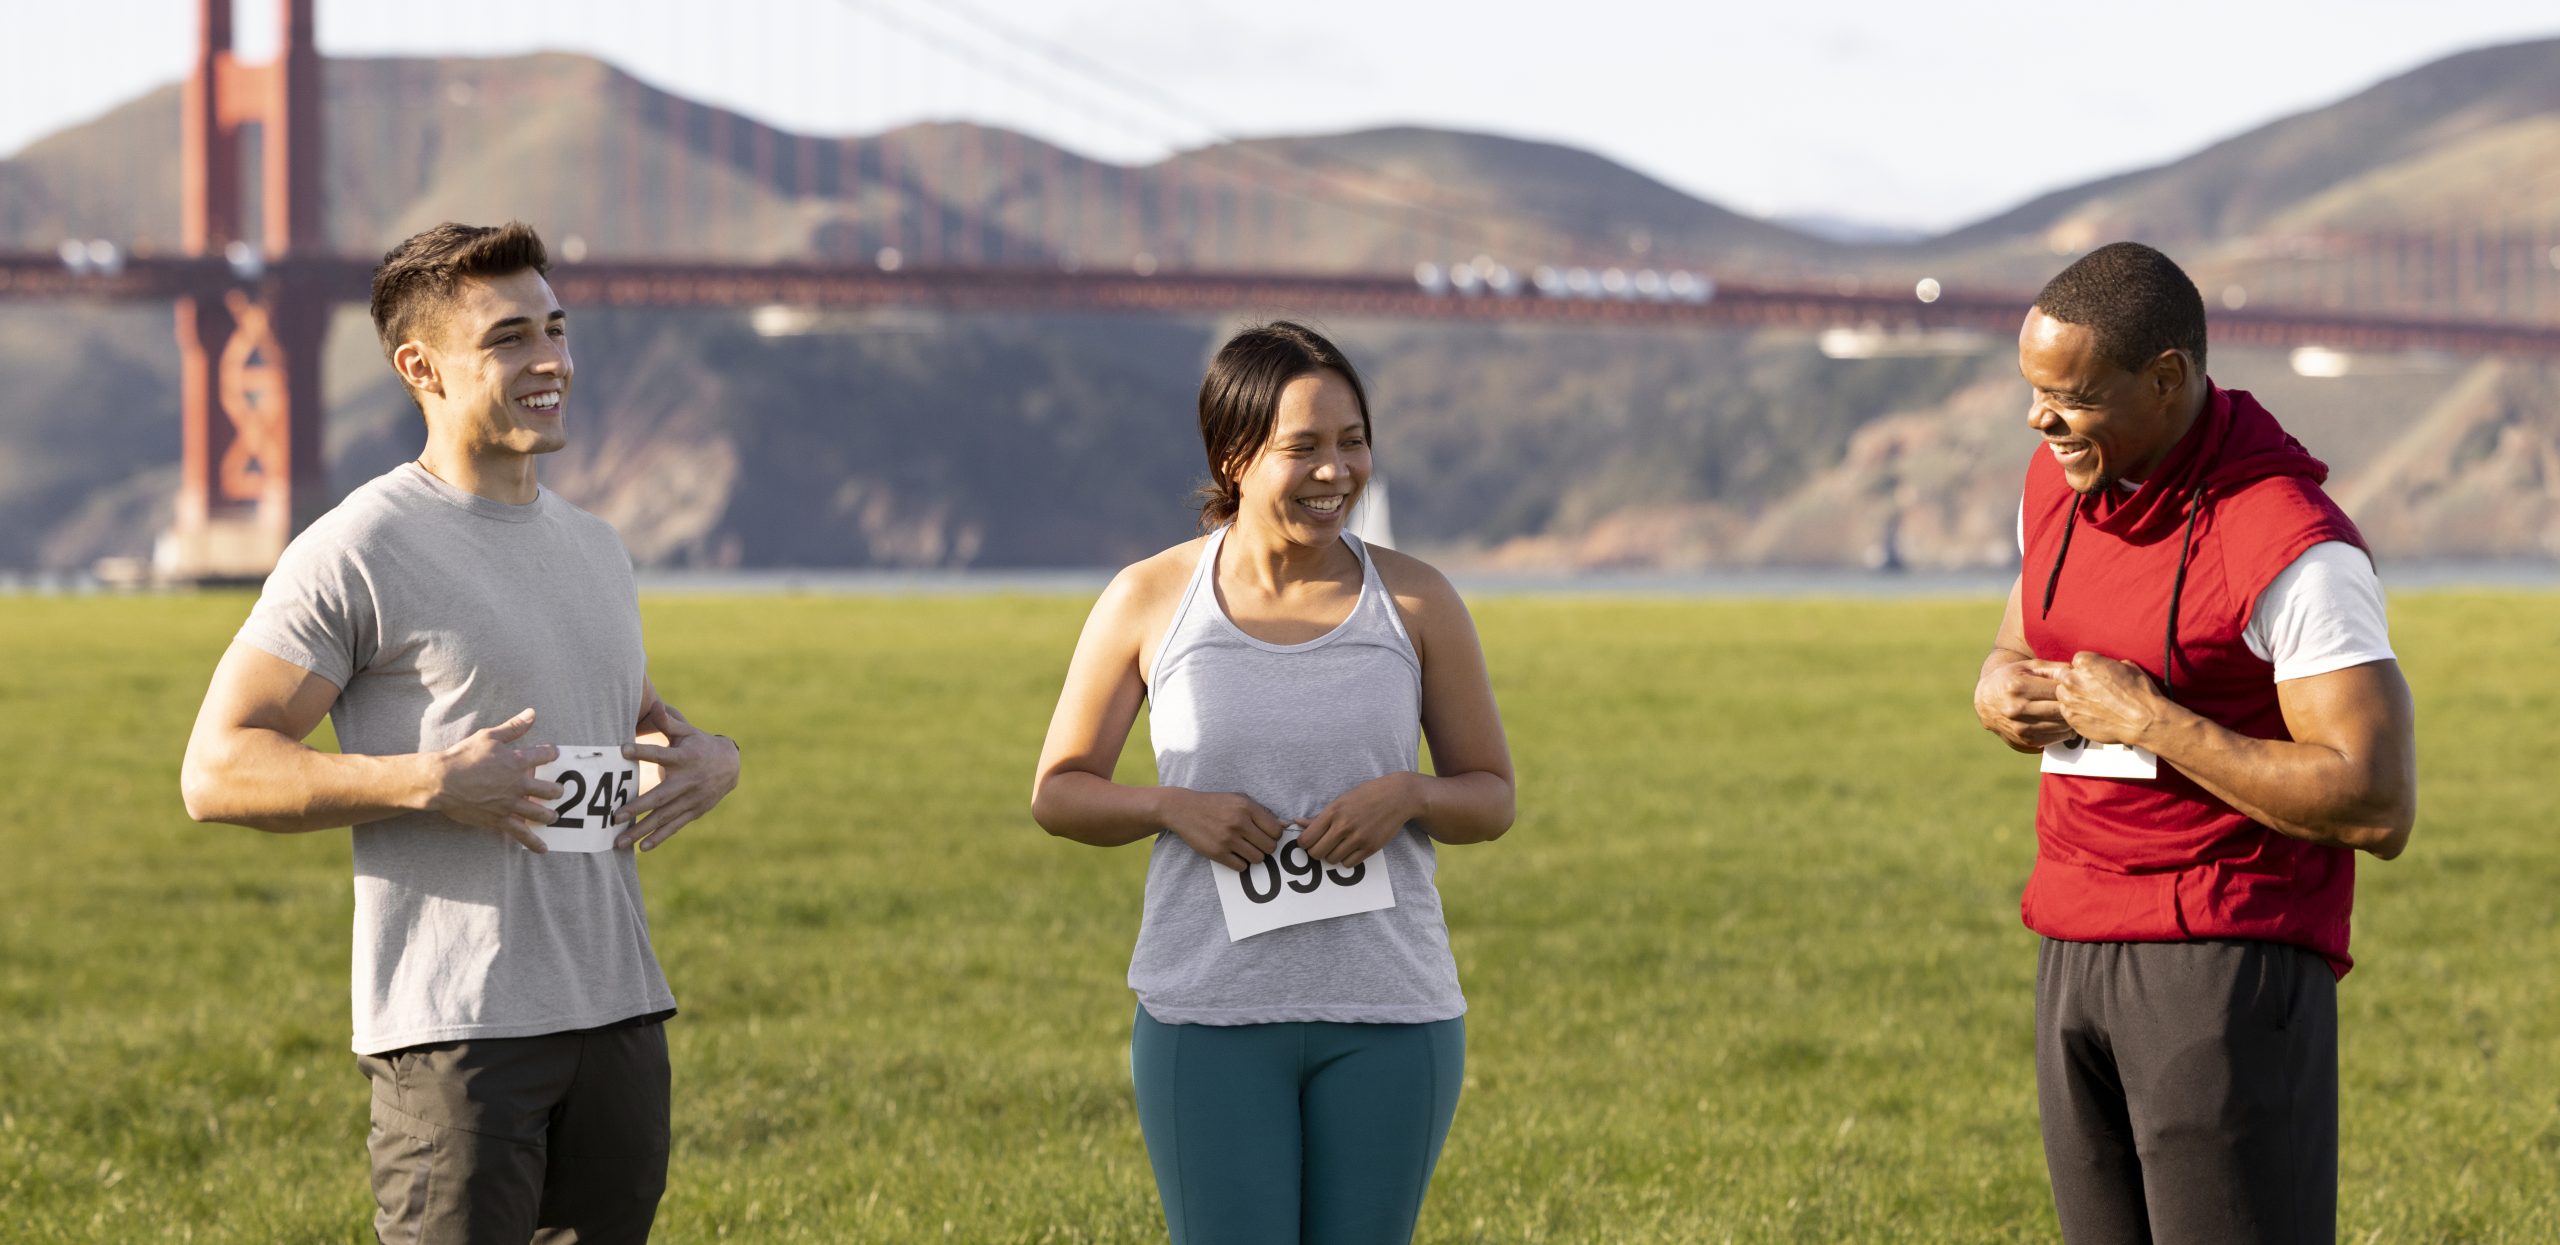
438 613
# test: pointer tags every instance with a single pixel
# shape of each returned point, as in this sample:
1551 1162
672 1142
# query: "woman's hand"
1362 820
1221 825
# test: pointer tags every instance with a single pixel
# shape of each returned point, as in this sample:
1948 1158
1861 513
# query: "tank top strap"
1166 646
1373 587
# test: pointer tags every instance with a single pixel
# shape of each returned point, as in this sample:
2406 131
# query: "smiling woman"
1298 1045
1260 372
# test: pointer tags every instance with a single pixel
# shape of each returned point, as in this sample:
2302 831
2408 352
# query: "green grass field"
1748 968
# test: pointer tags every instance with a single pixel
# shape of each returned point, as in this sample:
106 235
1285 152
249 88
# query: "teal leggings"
1286 1133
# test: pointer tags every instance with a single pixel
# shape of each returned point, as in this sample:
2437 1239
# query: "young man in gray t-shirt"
477 641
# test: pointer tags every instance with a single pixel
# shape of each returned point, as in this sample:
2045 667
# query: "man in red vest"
2196 645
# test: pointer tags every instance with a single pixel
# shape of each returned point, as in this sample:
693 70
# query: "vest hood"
2233 442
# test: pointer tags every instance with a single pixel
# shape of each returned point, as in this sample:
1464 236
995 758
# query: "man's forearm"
2305 791
258 778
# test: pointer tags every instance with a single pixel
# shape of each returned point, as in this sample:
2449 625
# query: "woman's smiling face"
1306 477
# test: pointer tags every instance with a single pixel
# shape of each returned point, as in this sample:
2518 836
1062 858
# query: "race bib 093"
1291 887
598 781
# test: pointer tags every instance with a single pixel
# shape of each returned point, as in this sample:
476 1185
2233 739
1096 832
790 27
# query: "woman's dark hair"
1240 397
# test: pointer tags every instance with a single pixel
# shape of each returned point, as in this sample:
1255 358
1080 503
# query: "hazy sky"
1926 114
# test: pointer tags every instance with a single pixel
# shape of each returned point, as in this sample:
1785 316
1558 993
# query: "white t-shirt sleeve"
2323 613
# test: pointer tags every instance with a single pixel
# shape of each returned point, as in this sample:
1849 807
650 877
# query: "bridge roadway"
708 284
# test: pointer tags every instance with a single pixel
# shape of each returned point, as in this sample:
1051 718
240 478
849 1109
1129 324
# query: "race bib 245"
599 780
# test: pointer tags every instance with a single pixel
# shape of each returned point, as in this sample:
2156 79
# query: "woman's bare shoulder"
1151 585
1415 583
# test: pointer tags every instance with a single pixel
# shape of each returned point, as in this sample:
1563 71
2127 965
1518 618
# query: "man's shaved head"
2135 299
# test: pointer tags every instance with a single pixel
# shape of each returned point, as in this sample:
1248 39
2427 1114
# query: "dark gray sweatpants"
499 1141
2189 1092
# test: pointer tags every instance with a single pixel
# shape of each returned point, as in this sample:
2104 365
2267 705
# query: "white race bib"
1290 887
599 780
2079 757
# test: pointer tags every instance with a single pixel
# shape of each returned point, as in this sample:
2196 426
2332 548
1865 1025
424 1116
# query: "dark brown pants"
2189 1092
553 1139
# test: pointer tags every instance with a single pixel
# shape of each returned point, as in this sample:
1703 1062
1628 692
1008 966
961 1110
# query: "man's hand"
2110 702
487 781
1360 822
2016 701
2014 693
695 772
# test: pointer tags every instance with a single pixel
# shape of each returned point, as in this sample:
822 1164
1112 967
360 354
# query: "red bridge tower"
250 356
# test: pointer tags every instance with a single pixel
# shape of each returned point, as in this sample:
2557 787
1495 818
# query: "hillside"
911 441
2439 146
630 169
1554 202
2477 476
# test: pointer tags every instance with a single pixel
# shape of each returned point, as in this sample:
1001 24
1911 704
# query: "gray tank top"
1292 726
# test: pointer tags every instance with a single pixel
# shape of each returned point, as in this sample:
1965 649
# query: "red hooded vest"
2164 860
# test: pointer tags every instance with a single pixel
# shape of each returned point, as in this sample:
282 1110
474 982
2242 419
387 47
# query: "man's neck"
499 476
2190 409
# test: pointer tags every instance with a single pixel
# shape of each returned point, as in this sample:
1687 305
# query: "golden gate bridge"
997 222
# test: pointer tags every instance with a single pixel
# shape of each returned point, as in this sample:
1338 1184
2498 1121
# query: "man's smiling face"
501 352
2100 422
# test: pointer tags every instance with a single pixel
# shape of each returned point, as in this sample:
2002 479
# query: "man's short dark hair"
417 277
2135 299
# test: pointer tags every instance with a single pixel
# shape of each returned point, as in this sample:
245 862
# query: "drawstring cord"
2059 554
2177 587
